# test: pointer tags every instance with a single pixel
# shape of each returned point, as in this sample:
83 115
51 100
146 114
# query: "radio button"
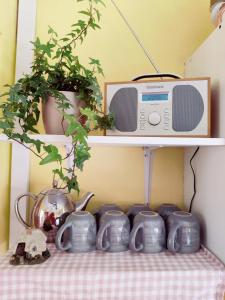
154 118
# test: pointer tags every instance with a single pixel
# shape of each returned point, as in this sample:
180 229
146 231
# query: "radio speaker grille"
124 109
188 108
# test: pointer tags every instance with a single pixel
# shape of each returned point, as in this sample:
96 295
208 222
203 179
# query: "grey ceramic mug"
103 209
166 209
78 232
183 232
113 235
148 234
134 210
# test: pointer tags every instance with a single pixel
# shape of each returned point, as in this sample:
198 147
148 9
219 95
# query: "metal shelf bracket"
148 167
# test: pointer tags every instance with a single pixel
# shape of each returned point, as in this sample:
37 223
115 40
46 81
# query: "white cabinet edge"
131 141
26 30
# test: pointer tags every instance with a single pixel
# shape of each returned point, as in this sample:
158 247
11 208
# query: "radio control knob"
154 118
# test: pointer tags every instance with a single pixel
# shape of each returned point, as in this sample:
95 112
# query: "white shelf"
132 141
154 141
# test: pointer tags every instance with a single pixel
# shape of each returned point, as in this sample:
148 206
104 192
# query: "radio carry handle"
156 76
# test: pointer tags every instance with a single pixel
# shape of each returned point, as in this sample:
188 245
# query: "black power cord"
193 172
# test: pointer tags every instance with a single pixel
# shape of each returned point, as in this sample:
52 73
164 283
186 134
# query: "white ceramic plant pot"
52 118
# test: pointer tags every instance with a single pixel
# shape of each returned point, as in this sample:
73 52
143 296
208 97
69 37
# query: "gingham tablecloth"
115 276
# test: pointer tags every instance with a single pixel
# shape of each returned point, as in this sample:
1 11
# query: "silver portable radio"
179 107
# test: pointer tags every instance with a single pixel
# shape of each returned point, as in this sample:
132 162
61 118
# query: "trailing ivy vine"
56 67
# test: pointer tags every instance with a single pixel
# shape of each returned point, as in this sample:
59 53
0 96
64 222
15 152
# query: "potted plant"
57 71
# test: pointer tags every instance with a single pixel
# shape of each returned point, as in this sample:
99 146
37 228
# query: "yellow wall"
170 30
8 11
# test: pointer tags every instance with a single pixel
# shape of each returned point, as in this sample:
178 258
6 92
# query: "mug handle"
172 247
17 211
58 238
92 234
133 235
100 235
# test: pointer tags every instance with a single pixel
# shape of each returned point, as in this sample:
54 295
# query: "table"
115 276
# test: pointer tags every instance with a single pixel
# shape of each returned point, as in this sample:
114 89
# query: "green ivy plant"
56 67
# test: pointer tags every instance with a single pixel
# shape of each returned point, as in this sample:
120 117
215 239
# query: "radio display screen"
154 97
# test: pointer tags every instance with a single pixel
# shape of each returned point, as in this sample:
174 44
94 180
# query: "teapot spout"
83 202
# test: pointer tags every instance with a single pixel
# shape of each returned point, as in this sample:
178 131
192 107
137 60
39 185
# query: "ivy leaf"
75 129
72 184
38 144
47 48
91 121
94 25
51 149
5 125
81 136
71 129
98 14
99 1
81 155
80 24
50 158
85 13
52 31
53 155
94 61
65 39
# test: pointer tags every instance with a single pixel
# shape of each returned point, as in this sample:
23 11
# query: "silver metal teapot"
49 208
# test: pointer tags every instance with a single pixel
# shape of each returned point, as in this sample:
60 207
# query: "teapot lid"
55 190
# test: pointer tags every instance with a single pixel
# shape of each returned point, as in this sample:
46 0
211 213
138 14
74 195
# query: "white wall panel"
209 204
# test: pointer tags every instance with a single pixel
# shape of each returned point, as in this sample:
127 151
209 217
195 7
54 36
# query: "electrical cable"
136 37
193 172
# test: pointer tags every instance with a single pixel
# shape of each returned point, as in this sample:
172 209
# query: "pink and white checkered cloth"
51 235
115 276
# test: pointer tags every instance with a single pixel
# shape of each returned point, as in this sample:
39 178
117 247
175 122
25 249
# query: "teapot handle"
17 211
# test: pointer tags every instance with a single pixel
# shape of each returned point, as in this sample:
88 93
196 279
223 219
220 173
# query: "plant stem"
62 123
71 151
63 48
29 148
